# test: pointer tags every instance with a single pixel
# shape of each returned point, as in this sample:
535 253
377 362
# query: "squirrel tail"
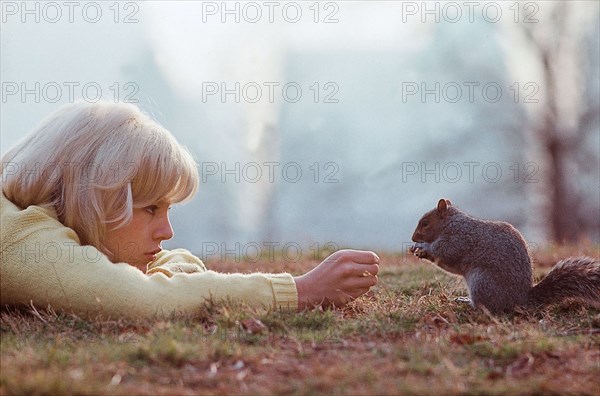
572 278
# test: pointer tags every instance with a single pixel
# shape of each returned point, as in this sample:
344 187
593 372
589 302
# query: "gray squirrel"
492 256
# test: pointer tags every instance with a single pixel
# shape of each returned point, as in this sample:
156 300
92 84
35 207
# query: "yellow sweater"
42 262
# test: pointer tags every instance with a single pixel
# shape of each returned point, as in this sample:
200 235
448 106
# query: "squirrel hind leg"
493 306
497 299
493 295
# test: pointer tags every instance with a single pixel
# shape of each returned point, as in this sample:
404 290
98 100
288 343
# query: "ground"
409 336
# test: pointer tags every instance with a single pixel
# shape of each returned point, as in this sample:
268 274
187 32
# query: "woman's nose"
164 230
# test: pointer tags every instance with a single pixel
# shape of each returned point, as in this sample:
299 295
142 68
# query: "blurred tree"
563 49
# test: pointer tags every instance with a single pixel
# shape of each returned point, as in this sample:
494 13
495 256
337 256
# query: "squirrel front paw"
419 249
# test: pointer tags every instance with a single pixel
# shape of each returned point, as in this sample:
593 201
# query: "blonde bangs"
167 172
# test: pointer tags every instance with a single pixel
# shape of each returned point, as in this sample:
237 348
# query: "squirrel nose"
417 237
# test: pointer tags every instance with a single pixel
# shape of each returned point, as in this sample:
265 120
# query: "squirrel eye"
425 223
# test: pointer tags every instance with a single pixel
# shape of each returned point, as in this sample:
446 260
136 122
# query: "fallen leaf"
465 339
253 326
521 367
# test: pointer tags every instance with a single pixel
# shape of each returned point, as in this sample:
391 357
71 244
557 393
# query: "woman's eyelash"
153 208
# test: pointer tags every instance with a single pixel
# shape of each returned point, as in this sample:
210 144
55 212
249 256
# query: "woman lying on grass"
84 211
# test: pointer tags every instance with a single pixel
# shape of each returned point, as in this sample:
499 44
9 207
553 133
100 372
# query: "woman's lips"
152 255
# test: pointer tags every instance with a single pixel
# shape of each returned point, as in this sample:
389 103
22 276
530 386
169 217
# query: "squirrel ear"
442 205
448 203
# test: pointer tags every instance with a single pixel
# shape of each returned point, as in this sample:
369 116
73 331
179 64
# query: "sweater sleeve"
42 262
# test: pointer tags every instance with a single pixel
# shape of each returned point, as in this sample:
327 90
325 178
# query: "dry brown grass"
408 337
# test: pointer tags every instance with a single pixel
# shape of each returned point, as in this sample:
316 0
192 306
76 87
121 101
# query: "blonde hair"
93 163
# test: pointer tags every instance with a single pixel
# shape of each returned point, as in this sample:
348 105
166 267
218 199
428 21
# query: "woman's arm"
341 277
42 262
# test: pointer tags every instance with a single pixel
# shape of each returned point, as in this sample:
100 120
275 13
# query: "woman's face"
138 242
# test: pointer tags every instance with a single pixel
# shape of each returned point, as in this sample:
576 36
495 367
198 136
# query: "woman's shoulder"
18 223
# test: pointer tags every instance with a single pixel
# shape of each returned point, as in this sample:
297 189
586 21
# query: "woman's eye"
151 209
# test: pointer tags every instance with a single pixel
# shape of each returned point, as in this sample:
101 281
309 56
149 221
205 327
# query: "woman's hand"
340 278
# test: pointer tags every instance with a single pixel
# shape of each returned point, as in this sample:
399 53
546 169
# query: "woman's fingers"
358 276
358 256
361 282
366 270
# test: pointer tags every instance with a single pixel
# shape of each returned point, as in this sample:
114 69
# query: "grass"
407 337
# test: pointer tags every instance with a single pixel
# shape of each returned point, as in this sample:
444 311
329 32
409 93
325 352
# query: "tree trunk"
563 203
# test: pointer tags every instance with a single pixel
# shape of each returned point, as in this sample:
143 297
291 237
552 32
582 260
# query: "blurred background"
335 124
